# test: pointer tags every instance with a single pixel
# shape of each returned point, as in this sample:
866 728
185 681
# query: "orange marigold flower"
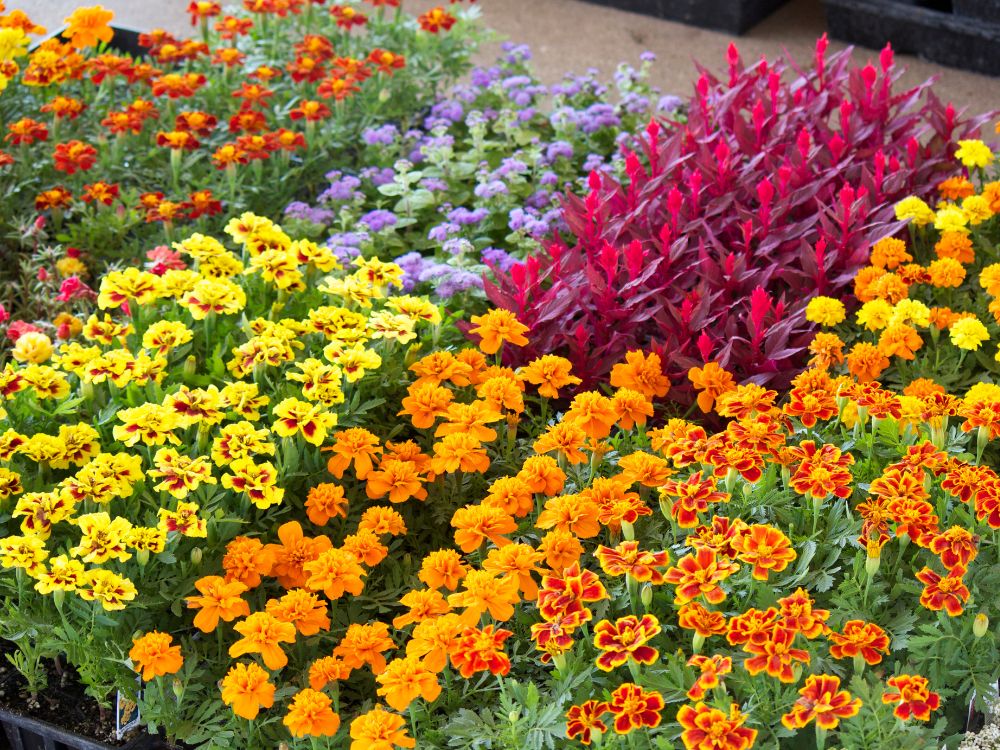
707 728
710 669
549 373
899 340
571 513
406 679
328 669
470 420
542 475
400 480
481 650
496 327
860 639
303 609
382 521
440 366
631 407
565 437
100 192
956 245
583 720
720 536
912 696
517 562
459 452
246 560
246 688
86 27
823 700
26 131
262 632
293 553
442 569
434 639
642 373
365 644
775 655
766 548
625 639
711 381
220 599
627 559
426 402
890 253
635 708
153 655
380 730
53 199
555 637
593 413
822 471
423 604
325 501
355 445
310 715
644 468
335 571
948 593
810 406
865 362
485 591
698 574
474 524
561 549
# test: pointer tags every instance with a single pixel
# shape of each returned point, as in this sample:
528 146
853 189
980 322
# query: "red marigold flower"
436 19
26 131
203 203
823 700
704 622
720 536
568 593
956 547
583 720
698 574
385 61
178 85
53 199
707 728
912 696
948 593
692 496
822 471
766 548
480 650
310 111
231 27
348 17
859 639
74 155
624 639
810 406
775 655
554 637
196 122
200 10
100 192
627 559
635 708
797 614
710 668
177 140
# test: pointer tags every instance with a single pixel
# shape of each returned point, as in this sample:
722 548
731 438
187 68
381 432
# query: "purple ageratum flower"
558 150
540 199
449 110
378 176
383 135
434 184
490 189
669 103
548 179
413 265
303 211
597 117
510 165
343 189
378 220
441 232
635 103
484 77
498 259
465 217
347 245
457 246
516 53
593 162
648 56
455 281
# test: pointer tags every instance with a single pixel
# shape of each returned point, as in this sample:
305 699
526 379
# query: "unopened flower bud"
697 641
178 688
190 366
980 625
142 557
513 716
646 595
628 531
58 596
873 560
196 556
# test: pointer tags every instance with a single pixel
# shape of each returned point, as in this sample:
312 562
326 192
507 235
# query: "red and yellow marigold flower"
626 638
710 670
859 639
944 592
821 699
584 720
481 650
912 696
635 708
765 548
627 559
699 574
707 728
775 655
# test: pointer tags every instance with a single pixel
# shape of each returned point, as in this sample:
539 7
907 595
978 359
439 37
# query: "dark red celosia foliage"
773 191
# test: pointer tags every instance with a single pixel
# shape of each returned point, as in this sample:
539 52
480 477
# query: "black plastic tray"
733 16
25 733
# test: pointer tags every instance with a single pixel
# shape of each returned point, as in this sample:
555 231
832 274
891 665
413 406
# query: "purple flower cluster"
343 189
448 280
317 214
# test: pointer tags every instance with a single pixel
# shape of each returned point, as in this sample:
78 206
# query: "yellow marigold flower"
258 481
119 287
219 296
184 520
496 327
916 210
165 335
245 399
354 361
46 382
910 311
67 267
32 347
13 43
63 574
151 423
385 325
951 219
110 589
415 308
41 510
968 333
147 539
977 209
240 440
102 538
311 420
974 154
26 552
181 474
825 311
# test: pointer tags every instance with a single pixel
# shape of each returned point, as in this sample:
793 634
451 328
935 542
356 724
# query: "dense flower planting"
479 183
773 190
105 152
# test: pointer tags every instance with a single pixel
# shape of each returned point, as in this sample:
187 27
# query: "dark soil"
62 703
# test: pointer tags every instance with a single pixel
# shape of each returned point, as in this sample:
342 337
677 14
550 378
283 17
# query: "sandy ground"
571 35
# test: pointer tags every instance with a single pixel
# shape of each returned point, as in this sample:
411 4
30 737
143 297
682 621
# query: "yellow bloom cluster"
174 441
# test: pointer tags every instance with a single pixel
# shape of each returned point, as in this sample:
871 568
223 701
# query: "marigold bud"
980 625
196 556
646 595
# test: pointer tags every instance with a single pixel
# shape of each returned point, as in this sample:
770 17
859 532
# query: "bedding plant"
403 540
479 183
108 153
924 311
772 191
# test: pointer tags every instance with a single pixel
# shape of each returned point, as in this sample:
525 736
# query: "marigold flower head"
219 599
262 633
310 715
365 644
825 311
707 728
87 26
634 708
765 548
381 730
406 679
948 593
864 639
153 654
699 574
583 720
710 670
821 699
912 696
481 650
625 639
246 688
496 327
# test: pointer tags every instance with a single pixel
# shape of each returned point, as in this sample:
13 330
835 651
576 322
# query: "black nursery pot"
24 733
125 40
732 16
935 30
